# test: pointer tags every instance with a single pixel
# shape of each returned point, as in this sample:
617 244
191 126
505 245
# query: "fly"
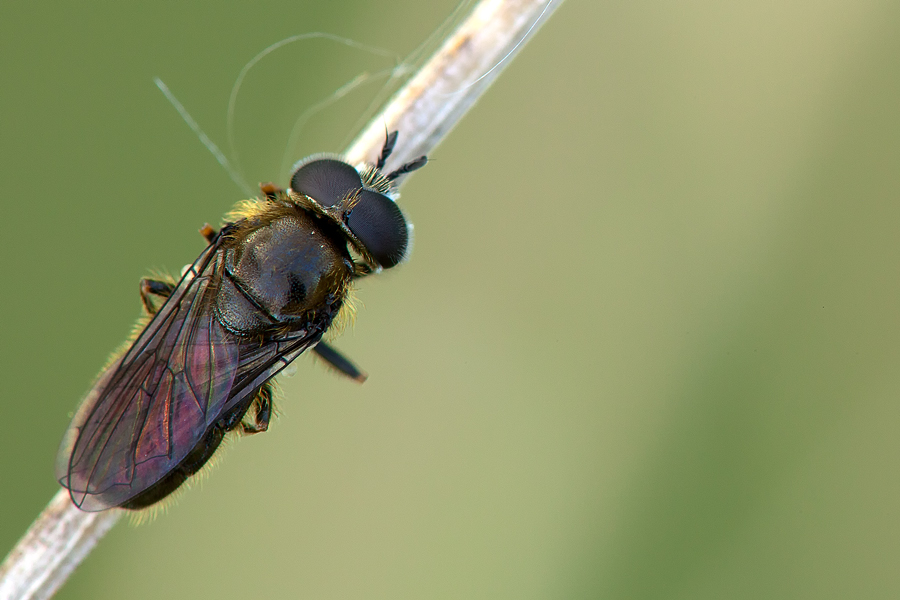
265 289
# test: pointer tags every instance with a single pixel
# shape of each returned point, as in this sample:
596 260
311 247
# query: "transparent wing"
149 409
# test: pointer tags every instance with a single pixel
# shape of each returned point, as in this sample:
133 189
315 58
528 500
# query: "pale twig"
431 103
59 539
424 111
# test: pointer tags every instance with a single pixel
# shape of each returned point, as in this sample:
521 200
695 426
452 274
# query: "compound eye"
377 222
327 181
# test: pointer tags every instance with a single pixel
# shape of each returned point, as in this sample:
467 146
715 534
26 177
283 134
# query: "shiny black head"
374 218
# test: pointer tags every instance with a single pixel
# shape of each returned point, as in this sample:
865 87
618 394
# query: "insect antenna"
390 140
413 165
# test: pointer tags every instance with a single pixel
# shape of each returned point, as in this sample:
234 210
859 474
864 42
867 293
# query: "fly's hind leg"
261 409
341 363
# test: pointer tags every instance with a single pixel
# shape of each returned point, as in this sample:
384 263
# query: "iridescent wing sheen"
149 409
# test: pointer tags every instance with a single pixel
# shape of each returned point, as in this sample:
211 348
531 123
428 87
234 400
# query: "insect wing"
151 407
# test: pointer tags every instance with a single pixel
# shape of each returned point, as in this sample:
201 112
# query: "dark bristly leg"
262 411
339 362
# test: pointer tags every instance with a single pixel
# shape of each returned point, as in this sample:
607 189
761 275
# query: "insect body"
264 290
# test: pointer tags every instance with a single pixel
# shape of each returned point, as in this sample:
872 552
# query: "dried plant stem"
432 102
424 111
59 539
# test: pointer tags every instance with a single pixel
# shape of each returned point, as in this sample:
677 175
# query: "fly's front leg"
340 362
261 407
151 288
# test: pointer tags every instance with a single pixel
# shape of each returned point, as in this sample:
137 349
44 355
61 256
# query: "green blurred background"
646 347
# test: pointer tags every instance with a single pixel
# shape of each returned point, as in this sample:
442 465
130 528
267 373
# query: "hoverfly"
264 290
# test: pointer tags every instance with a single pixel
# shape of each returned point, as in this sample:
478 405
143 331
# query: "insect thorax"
282 267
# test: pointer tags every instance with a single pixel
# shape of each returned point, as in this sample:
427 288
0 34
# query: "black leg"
339 362
262 415
154 287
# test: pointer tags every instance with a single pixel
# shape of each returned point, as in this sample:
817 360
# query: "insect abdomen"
198 456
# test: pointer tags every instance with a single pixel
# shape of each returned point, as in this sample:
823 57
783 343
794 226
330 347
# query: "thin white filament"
506 57
358 81
232 100
204 139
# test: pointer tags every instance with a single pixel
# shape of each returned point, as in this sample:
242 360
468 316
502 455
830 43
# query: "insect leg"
262 411
154 287
339 362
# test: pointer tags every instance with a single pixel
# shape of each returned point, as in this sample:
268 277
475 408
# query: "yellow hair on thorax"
247 209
